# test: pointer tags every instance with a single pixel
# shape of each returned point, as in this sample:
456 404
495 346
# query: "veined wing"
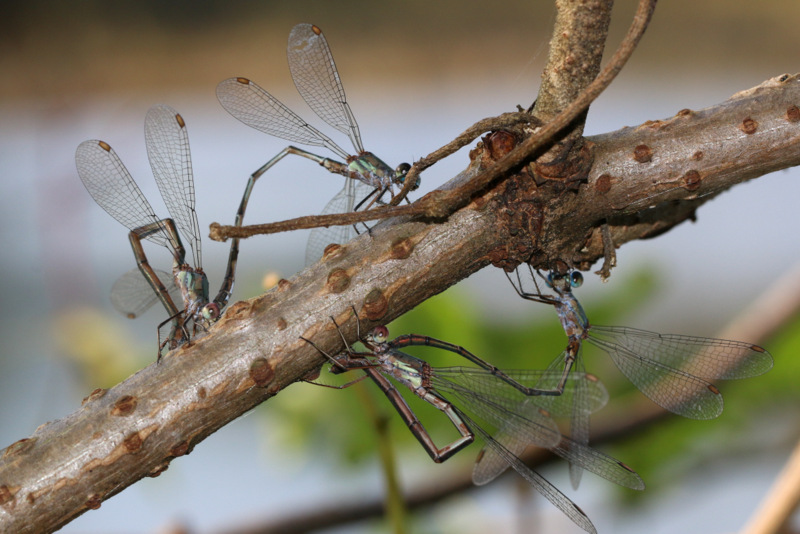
132 295
707 358
517 437
542 485
526 428
581 401
520 426
170 158
672 389
533 425
486 384
343 202
112 187
516 430
260 110
317 80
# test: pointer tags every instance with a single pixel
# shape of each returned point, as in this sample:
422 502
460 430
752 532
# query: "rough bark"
636 182
136 428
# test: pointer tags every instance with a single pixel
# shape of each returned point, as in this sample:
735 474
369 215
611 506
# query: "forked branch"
644 181
440 205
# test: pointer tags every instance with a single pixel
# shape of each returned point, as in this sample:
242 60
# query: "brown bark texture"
630 184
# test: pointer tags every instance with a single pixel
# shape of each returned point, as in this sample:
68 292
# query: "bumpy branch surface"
761 320
644 181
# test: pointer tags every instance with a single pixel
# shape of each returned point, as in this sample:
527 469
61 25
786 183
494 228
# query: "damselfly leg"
114 190
317 80
483 398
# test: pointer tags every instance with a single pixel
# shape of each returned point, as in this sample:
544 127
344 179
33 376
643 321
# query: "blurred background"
416 74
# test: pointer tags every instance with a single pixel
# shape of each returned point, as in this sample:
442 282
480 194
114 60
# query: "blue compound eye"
549 279
575 279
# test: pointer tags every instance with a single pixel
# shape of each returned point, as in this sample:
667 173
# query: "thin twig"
457 198
440 205
222 233
782 500
505 120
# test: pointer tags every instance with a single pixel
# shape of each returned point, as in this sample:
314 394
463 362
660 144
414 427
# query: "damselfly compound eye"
380 334
210 311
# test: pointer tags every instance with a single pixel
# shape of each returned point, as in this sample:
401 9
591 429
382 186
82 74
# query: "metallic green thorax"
407 370
193 284
375 172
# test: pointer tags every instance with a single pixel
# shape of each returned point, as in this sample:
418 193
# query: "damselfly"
317 80
113 188
483 397
674 371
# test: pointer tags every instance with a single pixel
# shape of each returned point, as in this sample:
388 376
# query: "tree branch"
136 428
648 178
566 160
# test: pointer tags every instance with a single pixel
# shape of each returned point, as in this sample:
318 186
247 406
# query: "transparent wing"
519 432
675 390
599 463
317 80
516 430
132 295
593 394
703 357
550 492
525 427
513 414
579 420
113 188
343 202
258 109
579 406
168 150
497 410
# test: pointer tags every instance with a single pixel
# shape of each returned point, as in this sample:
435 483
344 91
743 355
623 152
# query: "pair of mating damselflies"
110 184
672 370
113 188
482 404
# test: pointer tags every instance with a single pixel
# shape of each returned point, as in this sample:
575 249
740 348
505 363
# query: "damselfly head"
210 312
400 175
564 282
379 334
